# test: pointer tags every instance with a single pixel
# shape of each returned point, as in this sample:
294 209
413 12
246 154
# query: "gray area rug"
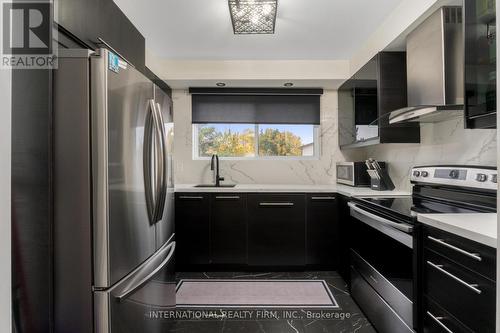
248 294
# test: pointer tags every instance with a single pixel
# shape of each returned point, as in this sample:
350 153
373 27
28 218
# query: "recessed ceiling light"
220 84
288 84
253 16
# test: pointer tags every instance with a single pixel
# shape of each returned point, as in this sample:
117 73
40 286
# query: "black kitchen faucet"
218 178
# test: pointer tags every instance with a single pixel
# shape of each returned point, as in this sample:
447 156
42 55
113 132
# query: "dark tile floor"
347 319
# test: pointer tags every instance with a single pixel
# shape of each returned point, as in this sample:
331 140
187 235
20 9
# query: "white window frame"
315 156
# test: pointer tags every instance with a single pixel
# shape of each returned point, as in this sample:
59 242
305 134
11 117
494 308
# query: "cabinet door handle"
472 287
235 197
322 198
276 204
187 197
474 256
438 321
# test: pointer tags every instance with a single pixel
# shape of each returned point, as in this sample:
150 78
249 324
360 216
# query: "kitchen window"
245 123
255 141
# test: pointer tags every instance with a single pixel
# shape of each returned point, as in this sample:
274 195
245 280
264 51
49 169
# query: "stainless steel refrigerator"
114 240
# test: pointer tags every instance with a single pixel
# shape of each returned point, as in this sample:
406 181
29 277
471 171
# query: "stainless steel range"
383 242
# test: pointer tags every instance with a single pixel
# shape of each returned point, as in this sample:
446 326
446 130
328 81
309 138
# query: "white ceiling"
305 29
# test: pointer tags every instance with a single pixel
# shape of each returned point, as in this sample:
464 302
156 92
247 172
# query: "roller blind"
256 106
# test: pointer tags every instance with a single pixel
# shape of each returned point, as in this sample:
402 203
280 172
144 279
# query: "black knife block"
384 183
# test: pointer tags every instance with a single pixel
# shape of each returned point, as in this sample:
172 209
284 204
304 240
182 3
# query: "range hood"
435 74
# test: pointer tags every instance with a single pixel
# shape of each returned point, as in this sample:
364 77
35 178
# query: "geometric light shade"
253 16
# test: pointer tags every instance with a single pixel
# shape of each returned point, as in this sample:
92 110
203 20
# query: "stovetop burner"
440 190
397 205
410 206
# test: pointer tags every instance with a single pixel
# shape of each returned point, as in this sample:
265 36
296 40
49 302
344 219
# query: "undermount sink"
213 185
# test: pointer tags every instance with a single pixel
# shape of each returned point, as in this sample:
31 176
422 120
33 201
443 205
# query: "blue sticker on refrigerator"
113 62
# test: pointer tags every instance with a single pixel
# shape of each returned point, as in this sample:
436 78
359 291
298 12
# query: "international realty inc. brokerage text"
225 314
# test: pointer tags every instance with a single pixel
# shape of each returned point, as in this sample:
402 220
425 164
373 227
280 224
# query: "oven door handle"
405 228
399 232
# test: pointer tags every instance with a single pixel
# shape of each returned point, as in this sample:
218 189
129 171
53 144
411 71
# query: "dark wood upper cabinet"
367 98
366 102
80 19
228 229
89 20
480 63
117 31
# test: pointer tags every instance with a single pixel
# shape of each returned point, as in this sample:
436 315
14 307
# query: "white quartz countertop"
479 227
341 189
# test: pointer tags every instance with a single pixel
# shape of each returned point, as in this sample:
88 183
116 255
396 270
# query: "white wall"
5 172
320 171
441 143
242 73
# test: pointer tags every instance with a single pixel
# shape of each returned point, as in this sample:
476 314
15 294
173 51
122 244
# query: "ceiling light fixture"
220 84
253 16
288 84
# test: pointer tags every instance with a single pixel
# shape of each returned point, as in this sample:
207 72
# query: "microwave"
354 173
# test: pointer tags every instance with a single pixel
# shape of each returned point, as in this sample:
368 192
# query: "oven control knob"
494 179
481 177
425 174
454 174
416 173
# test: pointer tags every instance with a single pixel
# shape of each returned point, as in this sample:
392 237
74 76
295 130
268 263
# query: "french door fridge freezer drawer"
128 305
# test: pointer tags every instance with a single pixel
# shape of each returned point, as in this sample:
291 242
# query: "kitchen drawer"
380 314
437 320
474 256
391 295
466 295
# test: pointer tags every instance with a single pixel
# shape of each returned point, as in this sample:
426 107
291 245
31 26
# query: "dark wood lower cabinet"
463 293
322 230
343 218
224 230
437 320
228 229
276 230
459 294
192 227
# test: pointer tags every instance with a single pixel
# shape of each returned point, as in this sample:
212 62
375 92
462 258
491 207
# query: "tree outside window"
240 140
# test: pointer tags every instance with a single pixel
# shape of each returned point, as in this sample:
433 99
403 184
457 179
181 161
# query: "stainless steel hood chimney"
435 74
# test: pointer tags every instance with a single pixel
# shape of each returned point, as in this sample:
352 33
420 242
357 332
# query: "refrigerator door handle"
147 166
162 185
141 281
159 162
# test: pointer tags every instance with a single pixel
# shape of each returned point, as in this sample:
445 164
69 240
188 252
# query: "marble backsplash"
442 143
307 171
